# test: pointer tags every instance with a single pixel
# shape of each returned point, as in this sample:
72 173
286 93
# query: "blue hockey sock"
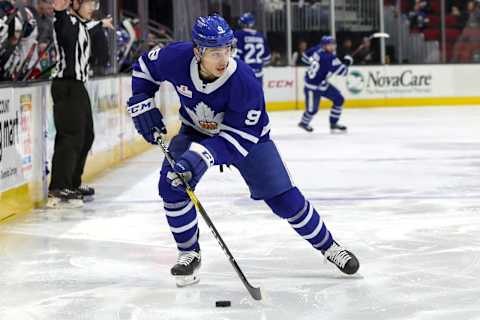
307 118
335 114
182 219
302 217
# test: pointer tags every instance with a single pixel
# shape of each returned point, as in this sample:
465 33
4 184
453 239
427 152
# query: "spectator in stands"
346 48
297 55
44 23
365 54
473 11
7 10
419 15
18 51
277 59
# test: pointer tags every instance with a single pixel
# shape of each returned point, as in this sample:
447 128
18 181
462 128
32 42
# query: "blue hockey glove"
348 60
145 116
192 165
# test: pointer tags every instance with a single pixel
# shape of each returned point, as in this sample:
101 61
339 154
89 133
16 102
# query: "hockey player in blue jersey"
251 45
224 122
323 63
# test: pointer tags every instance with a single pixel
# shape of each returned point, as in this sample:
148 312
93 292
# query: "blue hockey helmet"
247 20
212 32
327 40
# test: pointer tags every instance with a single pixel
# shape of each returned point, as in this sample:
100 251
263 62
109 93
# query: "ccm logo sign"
280 84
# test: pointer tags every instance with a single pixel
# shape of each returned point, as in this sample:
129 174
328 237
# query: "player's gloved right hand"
192 165
348 60
146 116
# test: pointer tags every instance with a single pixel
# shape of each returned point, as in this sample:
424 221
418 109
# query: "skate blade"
53 203
185 281
335 131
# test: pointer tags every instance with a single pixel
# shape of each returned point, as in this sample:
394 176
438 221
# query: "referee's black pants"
72 115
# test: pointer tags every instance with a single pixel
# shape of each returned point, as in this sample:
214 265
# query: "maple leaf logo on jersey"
205 118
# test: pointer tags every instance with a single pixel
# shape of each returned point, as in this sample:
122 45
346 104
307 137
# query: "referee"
72 112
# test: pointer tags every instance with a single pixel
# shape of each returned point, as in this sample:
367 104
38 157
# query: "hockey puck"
223 303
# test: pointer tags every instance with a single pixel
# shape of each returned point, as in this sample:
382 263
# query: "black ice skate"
342 258
305 127
64 199
86 192
337 128
186 269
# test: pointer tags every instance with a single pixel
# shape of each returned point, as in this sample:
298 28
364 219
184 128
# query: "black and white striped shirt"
72 42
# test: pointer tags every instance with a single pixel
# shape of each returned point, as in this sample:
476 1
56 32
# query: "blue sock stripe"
190 242
299 213
310 226
315 232
182 220
303 221
178 211
325 243
184 228
320 236
185 236
176 205
334 116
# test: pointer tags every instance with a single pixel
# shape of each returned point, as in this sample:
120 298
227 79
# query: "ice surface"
401 190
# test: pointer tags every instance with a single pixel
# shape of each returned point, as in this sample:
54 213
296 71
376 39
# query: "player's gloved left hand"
192 165
348 60
146 116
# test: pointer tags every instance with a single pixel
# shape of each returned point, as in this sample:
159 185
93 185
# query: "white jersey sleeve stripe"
141 75
234 142
244 135
145 70
306 59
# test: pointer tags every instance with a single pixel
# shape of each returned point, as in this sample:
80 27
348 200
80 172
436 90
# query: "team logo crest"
205 118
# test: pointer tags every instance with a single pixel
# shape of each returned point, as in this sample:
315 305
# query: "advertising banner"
280 84
16 143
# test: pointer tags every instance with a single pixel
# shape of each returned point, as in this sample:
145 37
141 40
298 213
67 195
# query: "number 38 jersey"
322 65
252 49
229 110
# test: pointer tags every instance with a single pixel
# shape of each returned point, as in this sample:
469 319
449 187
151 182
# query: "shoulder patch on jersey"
184 91
153 54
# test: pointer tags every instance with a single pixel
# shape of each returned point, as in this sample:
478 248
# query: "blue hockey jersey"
252 49
230 110
322 65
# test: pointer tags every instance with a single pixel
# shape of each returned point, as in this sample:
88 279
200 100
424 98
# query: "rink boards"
27 129
380 86
28 133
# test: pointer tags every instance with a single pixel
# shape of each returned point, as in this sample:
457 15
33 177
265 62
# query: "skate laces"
185 258
338 255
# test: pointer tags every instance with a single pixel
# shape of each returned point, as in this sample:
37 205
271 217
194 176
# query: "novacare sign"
380 82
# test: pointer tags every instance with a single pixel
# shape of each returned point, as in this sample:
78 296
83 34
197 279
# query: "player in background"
323 63
224 122
251 45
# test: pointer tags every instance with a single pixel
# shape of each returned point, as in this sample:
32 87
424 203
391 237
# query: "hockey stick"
254 292
376 35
